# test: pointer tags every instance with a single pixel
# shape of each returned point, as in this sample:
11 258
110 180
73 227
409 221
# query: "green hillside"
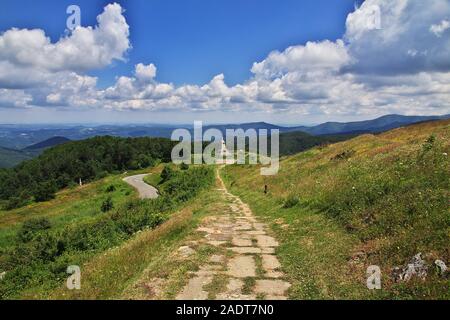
335 209
370 200
298 141
10 157
38 242
88 160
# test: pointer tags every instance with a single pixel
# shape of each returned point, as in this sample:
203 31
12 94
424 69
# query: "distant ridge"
51 142
31 137
380 124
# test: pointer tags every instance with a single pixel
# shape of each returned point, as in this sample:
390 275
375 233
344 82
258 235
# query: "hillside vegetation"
88 160
43 247
298 141
10 157
48 143
370 200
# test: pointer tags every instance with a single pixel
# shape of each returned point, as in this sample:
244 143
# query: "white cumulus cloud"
393 58
439 29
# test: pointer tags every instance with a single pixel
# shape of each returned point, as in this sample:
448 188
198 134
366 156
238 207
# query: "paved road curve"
145 191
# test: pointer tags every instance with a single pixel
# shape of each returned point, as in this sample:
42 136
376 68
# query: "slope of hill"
51 142
88 160
381 124
373 200
38 242
10 157
297 141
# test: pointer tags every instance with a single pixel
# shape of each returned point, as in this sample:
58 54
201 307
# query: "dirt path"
145 190
244 267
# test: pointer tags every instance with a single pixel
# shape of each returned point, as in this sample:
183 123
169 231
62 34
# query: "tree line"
64 165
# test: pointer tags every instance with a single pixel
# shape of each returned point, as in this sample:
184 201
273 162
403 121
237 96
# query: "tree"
45 191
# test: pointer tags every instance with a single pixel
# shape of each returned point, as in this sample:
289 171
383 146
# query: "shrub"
107 205
166 173
347 154
428 145
291 201
14 202
45 191
111 188
31 227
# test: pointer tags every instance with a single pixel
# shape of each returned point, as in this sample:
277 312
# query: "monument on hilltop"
224 153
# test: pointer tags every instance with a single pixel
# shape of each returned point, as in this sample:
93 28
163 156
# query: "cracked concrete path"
145 190
245 263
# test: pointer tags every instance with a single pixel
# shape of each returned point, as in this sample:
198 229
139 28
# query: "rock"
271 287
241 242
242 267
246 250
442 268
185 251
2 275
217 258
416 268
270 262
194 289
266 241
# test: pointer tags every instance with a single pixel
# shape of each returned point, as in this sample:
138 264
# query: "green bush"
31 227
107 205
111 188
166 173
45 191
291 201
14 202
184 166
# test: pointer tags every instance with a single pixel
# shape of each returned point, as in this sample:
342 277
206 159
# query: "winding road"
145 190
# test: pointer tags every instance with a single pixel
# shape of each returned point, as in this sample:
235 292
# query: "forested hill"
51 142
90 159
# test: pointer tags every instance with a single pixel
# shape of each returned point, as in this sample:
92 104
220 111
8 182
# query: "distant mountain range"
381 124
20 142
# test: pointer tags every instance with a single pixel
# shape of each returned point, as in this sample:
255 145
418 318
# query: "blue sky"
192 41
284 61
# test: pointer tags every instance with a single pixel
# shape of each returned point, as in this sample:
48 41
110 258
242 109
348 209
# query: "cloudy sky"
287 62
